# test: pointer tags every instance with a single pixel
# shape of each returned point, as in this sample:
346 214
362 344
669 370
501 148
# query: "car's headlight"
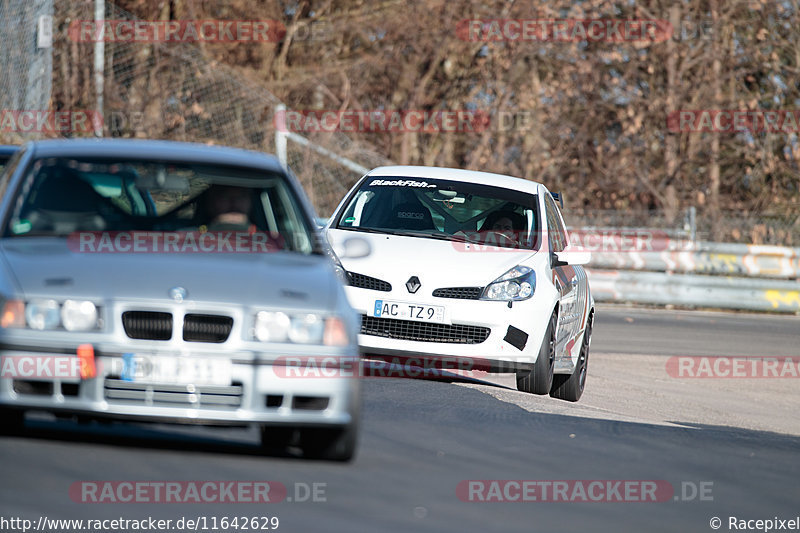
42 314
272 326
77 315
519 283
48 314
305 328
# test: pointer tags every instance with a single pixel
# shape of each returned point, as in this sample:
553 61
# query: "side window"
5 173
555 230
562 231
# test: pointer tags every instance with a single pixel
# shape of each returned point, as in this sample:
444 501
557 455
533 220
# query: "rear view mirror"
448 196
164 181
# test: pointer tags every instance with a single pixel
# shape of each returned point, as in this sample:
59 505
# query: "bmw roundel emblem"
178 294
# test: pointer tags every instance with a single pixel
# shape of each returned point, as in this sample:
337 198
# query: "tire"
330 444
276 438
12 421
539 379
570 387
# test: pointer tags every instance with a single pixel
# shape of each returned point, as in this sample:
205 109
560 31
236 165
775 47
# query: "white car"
467 266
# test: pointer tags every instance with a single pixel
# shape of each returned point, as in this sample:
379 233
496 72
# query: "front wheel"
539 379
570 387
276 438
12 421
329 444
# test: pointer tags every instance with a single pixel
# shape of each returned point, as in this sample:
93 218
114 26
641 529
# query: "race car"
157 281
468 265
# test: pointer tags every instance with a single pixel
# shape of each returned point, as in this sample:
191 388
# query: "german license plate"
408 311
175 370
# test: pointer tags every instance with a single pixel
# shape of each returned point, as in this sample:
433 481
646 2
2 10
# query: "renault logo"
413 284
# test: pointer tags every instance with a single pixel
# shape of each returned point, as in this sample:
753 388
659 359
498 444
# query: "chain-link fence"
26 60
158 90
171 90
762 228
692 224
322 177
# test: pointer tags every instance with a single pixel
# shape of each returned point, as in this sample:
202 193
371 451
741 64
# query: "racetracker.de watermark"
207 491
328 366
581 491
734 120
733 367
47 121
381 121
580 240
172 242
565 30
176 31
40 367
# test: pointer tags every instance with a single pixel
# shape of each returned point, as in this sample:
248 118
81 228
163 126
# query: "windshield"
63 197
443 209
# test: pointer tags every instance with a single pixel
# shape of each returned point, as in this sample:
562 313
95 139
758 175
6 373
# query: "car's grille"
147 325
206 328
461 293
410 330
365 282
157 326
206 396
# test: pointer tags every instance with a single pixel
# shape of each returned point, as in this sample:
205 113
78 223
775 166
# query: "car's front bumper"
514 337
261 390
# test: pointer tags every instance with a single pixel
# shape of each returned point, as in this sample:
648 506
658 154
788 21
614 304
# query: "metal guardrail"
708 258
706 274
724 292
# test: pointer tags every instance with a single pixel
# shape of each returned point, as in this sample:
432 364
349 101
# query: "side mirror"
570 257
352 248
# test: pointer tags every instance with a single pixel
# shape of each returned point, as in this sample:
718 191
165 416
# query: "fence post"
280 138
99 67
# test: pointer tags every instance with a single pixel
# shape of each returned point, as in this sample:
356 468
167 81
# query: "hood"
46 267
437 263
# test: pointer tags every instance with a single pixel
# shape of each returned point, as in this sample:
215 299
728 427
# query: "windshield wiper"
438 236
373 230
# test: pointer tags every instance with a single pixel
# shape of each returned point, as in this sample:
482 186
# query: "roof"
7 149
155 151
454 174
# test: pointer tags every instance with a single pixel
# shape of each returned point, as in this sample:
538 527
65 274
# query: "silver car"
170 282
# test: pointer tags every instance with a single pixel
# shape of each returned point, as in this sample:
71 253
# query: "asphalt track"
421 438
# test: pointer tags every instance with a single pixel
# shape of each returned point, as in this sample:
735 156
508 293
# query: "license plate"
408 311
173 370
